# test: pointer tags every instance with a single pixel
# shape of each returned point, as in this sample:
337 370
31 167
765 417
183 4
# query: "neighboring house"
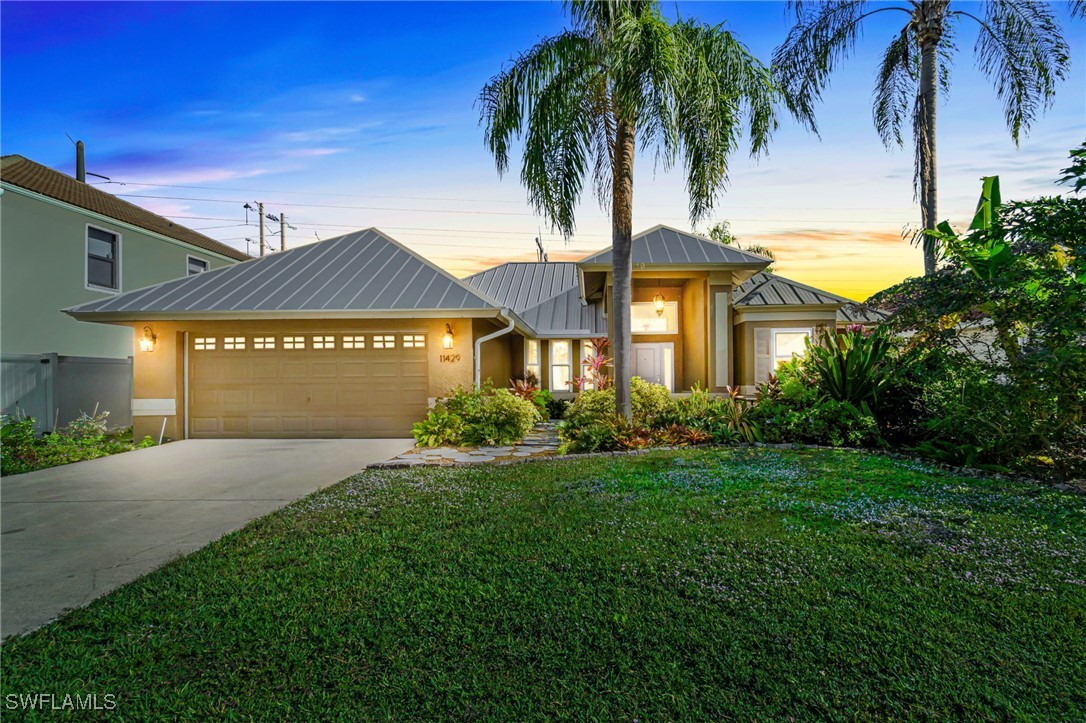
355 336
62 243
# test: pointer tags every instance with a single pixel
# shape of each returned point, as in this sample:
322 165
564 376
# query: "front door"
655 363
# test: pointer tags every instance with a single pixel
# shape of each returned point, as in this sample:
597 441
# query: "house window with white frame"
561 365
531 358
195 265
587 352
103 260
646 319
788 343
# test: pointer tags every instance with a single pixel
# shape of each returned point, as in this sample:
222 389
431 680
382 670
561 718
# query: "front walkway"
540 442
73 533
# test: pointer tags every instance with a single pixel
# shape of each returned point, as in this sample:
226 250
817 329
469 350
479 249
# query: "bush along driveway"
751 584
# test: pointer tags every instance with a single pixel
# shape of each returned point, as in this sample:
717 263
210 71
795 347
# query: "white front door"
655 363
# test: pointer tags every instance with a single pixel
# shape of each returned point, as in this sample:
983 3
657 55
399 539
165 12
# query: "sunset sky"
350 115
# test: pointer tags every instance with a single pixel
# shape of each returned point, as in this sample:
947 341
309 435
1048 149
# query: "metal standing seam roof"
765 289
31 176
857 313
566 315
360 271
666 245
522 285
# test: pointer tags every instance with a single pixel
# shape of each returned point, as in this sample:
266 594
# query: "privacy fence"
56 389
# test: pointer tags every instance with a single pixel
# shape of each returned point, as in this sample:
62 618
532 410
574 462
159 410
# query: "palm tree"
1020 48
623 77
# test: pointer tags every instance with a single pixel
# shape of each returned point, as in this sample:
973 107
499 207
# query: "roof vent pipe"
80 163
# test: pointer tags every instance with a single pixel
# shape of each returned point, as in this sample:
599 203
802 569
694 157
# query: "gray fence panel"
57 389
24 387
85 383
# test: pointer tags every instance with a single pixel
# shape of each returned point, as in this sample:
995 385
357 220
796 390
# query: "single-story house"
356 336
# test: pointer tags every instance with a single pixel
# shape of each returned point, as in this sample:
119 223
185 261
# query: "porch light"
658 303
147 343
447 337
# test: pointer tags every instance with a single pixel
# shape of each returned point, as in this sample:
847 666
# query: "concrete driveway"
72 533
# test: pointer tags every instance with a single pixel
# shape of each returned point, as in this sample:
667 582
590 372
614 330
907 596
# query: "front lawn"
702 584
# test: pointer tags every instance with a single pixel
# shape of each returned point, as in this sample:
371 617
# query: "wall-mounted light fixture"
658 303
147 343
447 337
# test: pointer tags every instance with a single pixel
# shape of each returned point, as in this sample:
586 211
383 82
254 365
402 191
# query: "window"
324 342
561 364
294 342
103 260
196 265
354 342
233 343
384 342
788 342
204 343
414 341
645 320
263 342
531 358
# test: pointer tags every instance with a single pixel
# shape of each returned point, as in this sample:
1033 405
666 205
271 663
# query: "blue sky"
347 115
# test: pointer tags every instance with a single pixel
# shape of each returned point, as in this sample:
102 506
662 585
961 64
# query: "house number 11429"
449 358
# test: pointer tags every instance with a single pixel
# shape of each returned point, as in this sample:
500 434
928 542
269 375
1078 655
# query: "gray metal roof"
666 245
520 285
566 315
360 271
857 313
765 289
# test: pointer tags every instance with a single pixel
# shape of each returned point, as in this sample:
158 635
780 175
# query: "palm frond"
897 82
1022 51
722 90
543 97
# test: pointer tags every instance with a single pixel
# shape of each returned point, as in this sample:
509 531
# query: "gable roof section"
363 271
566 315
26 174
765 289
522 285
663 245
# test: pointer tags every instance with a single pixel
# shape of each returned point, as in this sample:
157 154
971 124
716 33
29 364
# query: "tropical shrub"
484 416
724 419
851 366
21 450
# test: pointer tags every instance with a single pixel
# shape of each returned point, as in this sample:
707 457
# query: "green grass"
703 584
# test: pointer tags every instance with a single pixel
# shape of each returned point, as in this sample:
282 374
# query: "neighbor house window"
233 343
646 320
204 343
103 259
384 342
561 365
414 341
531 358
294 342
354 342
263 342
196 266
324 342
788 343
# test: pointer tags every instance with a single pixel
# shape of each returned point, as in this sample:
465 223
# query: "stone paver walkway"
540 442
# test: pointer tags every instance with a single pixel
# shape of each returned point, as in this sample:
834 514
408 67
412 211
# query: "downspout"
479 344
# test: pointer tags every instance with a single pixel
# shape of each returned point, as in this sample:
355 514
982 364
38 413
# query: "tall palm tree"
1020 48
620 79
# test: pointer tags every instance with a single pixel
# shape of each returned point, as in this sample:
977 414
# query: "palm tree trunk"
929 31
621 262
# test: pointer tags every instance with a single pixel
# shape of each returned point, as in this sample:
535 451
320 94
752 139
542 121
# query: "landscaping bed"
725 583
87 437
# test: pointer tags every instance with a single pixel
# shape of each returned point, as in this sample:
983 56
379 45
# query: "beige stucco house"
355 336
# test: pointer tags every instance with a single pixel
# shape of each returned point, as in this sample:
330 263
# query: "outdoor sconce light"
147 343
658 302
447 337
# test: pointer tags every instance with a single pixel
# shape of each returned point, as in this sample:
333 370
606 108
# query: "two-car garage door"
306 384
